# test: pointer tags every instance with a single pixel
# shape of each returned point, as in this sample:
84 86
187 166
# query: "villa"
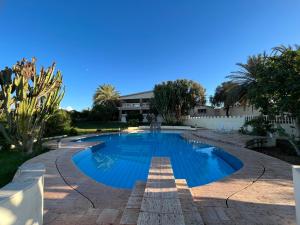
140 103
136 103
203 115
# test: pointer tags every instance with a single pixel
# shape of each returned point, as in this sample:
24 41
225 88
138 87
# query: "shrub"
135 116
58 124
73 132
107 112
133 122
260 126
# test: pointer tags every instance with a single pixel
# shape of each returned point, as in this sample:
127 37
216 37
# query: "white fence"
216 122
234 123
21 201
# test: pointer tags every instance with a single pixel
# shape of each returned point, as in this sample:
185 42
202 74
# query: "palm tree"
246 78
105 94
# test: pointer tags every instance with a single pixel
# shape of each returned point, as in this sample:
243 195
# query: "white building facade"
139 103
135 103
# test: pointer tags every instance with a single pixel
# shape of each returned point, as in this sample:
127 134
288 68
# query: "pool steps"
133 206
189 208
162 200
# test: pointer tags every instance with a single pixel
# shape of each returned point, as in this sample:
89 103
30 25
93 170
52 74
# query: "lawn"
83 127
10 162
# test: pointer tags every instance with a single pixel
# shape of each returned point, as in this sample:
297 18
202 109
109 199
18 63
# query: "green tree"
28 99
245 80
225 95
271 82
173 99
59 123
106 100
284 80
104 112
106 94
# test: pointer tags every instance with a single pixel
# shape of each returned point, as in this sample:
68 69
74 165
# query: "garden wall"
21 201
236 122
216 122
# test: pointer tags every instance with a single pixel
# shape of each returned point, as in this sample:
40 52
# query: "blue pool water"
125 158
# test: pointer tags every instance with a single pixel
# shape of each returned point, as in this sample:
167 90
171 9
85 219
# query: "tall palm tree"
246 77
105 94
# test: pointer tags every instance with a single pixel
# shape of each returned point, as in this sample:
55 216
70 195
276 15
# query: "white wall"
239 111
216 122
21 201
236 122
210 111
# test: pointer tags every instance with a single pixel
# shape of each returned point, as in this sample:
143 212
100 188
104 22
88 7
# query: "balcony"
144 105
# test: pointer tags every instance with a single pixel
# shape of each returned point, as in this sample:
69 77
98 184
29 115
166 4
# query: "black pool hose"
254 181
66 182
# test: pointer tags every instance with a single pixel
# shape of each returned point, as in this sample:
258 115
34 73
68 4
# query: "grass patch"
85 127
10 162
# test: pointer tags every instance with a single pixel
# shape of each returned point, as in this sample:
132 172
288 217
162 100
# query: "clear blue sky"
134 44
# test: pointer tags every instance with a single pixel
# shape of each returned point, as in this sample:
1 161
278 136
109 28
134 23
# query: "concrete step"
108 217
161 204
189 209
132 209
162 200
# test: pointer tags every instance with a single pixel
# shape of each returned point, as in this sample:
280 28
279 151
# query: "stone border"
256 166
80 182
70 196
262 188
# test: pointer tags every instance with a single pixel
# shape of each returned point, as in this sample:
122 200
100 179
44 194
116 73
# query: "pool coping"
263 180
258 182
84 198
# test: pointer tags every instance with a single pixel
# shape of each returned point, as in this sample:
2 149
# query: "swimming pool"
125 158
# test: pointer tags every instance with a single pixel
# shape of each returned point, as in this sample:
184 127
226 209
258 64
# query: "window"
202 111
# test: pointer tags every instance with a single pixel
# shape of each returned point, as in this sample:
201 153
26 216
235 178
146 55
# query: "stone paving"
161 204
259 193
91 203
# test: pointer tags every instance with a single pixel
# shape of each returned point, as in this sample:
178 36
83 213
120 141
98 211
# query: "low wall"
236 122
169 128
216 122
21 201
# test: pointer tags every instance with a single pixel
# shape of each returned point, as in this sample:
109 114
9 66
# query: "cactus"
27 100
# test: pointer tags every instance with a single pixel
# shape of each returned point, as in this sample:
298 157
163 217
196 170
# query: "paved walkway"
161 203
72 198
234 137
260 193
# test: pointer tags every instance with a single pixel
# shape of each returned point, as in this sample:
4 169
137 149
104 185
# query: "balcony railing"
135 105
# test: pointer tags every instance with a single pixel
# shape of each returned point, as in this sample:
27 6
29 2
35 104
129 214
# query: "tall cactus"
27 100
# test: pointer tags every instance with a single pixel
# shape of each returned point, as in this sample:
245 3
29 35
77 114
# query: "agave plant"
28 99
